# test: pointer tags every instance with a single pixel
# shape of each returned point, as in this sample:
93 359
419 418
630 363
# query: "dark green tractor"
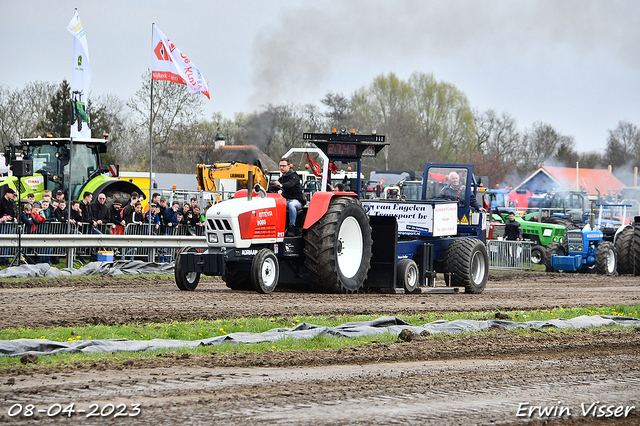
79 114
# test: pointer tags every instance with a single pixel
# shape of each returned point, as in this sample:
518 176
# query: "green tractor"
541 234
79 114
60 165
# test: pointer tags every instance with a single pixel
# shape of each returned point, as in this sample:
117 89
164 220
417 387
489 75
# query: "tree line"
424 120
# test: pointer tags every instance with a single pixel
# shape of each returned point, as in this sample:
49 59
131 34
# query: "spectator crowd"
51 215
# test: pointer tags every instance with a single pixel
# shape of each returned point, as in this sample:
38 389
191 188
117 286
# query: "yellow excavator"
208 173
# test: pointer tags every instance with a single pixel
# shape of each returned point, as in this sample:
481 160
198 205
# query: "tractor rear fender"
319 205
113 188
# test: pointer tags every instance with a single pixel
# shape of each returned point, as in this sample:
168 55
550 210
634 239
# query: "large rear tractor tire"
467 264
237 280
624 248
338 247
636 244
265 271
606 259
538 254
553 248
407 275
186 281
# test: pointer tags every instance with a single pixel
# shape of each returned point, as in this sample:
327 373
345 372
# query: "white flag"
170 64
81 79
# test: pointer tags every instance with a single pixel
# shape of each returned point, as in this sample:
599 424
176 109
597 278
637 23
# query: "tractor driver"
289 182
456 192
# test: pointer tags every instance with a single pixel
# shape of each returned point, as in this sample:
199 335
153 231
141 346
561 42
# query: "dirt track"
118 300
476 379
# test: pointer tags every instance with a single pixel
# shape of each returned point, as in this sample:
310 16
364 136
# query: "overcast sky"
572 64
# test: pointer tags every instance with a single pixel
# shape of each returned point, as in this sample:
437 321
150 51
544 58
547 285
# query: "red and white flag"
315 167
170 64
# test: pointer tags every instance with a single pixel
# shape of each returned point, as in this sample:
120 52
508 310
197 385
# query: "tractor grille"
267 231
574 242
219 224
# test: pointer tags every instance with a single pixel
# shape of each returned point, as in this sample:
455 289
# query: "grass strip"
196 330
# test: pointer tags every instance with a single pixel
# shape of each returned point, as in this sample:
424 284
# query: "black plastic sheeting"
381 325
121 267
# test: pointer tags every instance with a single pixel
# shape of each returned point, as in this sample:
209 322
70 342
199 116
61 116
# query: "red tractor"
248 247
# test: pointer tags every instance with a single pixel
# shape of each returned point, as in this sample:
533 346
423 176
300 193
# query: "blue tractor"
583 250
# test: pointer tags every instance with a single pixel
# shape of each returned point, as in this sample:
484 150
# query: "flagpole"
68 197
150 138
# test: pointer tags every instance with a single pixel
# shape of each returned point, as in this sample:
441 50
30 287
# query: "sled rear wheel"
407 275
467 264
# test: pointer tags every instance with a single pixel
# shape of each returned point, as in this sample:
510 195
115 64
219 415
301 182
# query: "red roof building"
550 178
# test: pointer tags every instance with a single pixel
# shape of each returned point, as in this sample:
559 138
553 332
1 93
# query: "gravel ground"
482 379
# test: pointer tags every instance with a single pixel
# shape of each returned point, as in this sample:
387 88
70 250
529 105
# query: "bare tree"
108 116
623 145
23 110
278 128
539 144
339 109
499 141
590 160
497 134
173 107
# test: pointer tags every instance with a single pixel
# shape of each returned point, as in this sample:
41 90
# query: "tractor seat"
608 233
300 216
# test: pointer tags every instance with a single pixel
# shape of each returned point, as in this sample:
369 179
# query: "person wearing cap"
8 206
60 195
155 219
115 213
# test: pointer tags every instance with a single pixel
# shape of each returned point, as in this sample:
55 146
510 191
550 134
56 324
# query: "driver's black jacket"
291 189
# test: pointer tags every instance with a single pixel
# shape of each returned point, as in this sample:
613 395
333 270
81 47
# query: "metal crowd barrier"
51 241
509 255
8 253
168 254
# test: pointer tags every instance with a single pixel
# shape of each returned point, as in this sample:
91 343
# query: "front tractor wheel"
186 281
265 271
338 247
606 259
538 254
553 248
467 264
